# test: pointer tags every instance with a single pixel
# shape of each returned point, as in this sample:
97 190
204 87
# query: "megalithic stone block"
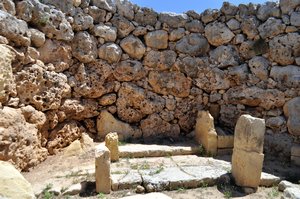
205 132
247 168
102 169
249 134
111 142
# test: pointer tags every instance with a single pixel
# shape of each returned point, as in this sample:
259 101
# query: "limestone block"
111 142
205 132
249 134
225 141
247 167
102 169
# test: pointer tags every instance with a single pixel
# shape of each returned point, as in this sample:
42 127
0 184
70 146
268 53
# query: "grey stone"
288 5
193 44
275 122
125 8
123 25
146 16
291 111
157 39
268 9
285 184
160 60
259 67
108 5
218 34
176 34
224 56
82 22
65 6
295 19
133 46
110 52
271 28
37 37
73 190
229 9
288 76
195 26
291 193
209 15
126 181
97 14
129 70
249 27
233 24
173 20
108 33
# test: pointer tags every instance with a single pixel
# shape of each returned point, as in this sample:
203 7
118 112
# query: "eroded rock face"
289 76
224 56
157 39
20 140
124 26
292 111
110 52
173 83
133 46
160 60
194 44
259 67
218 34
108 33
173 20
271 28
129 71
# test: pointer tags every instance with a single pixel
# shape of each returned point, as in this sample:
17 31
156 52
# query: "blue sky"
180 6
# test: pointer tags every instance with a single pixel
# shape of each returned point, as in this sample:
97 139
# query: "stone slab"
148 196
129 179
268 180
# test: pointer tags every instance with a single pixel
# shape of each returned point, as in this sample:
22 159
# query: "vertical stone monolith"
111 142
102 169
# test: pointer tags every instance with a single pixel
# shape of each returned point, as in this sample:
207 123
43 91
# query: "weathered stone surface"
108 5
84 47
82 22
157 39
254 96
224 56
292 193
229 9
41 88
90 80
195 26
112 142
13 184
7 83
125 8
133 46
268 9
173 20
14 29
124 26
259 67
37 37
233 24
271 28
108 99
249 27
97 14
218 34
205 132
20 140
79 147
110 52
295 18
247 168
102 169
33 116
160 60
176 34
269 180
108 33
276 123
146 16
285 184
193 44
210 15
66 6
288 5
295 150
249 134
129 71
155 126
134 103
291 111
284 48
174 83
128 180
106 123
288 76
63 135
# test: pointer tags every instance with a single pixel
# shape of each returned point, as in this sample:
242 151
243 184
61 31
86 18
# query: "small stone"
292 193
140 189
285 184
73 190
111 142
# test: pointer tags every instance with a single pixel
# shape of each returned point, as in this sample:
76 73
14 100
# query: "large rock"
129 71
110 52
133 46
288 76
295 18
82 22
249 27
267 10
205 132
7 83
134 103
97 13
291 193
193 44
284 49
170 83
218 34
224 56
292 112
84 47
254 96
146 16
14 29
271 28
106 123
210 15
157 39
41 88
91 80
125 8
19 140
124 26
173 20
13 184
288 5
108 33
108 5
259 67
65 6
160 60
37 37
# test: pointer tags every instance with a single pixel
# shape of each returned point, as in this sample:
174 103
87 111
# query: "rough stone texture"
110 52
291 111
129 71
173 83
13 184
193 44
102 169
259 67
205 132
173 20
160 60
268 9
271 28
157 39
133 46
218 34
108 33
288 5
37 37
112 142
288 76
224 56
249 27
108 5
7 83
146 16
124 26
82 22
125 8
292 193
295 18
19 140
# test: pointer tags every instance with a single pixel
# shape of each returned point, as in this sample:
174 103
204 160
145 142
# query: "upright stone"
111 142
205 132
247 158
102 169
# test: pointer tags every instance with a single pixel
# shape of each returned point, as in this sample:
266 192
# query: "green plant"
158 170
46 194
101 195
204 184
273 193
227 193
181 189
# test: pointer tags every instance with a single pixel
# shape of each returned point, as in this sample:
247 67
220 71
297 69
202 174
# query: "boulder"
259 67
267 10
160 60
13 184
218 34
195 26
108 99
37 37
125 8
288 76
176 34
108 33
124 26
193 44
129 71
82 22
295 19
133 46
20 140
224 56
170 83
66 6
229 9
271 28
97 14
291 193
288 5
210 15
291 111
249 26
84 47
112 142
233 24
110 52
157 39
146 16
109 5
173 20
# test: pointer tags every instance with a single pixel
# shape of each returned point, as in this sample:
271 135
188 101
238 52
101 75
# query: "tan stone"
205 132
102 169
224 140
111 142
249 134
73 149
247 167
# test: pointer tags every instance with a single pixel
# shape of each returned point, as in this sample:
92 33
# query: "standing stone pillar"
111 142
248 157
102 169
205 132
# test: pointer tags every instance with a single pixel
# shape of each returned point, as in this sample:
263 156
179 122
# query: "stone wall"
76 59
